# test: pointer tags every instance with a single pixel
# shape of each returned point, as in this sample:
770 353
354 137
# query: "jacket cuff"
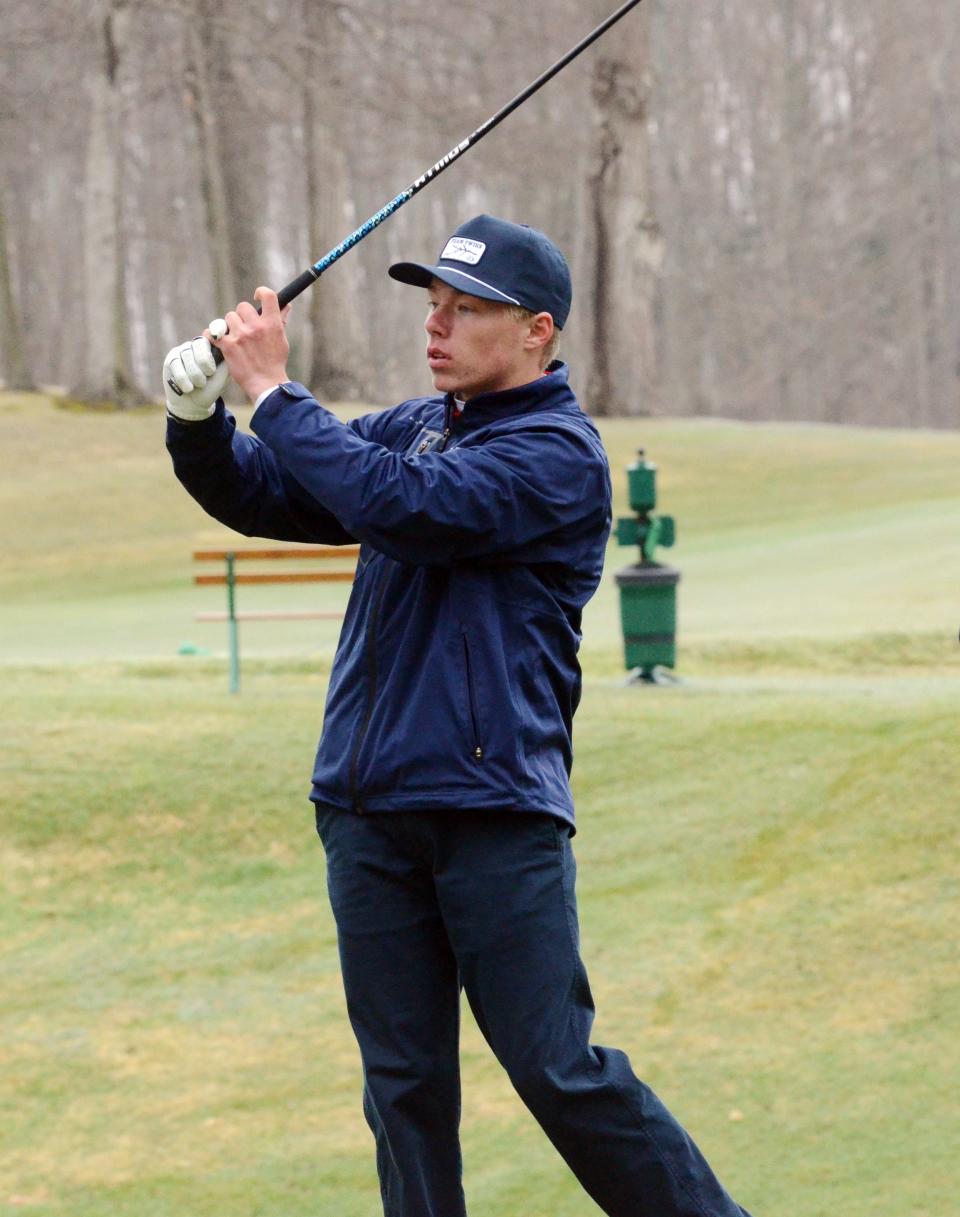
261 397
291 390
192 434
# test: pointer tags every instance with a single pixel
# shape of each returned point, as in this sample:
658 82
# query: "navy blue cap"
497 260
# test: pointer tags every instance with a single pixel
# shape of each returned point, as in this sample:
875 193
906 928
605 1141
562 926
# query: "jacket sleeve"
238 480
504 498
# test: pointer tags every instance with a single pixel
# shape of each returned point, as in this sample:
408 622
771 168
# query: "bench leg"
232 625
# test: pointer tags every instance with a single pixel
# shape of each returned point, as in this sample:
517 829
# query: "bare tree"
201 44
628 248
104 372
760 202
334 367
13 358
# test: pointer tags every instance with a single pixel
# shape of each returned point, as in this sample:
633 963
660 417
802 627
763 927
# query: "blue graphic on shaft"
364 230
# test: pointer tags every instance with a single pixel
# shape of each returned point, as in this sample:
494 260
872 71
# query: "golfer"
441 781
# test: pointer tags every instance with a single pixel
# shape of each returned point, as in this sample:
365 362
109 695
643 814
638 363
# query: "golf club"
313 273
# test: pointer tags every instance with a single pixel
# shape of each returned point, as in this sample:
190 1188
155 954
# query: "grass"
766 899
768 879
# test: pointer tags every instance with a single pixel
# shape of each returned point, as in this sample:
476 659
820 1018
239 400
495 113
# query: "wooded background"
760 201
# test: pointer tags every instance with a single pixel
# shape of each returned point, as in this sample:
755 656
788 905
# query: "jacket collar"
546 392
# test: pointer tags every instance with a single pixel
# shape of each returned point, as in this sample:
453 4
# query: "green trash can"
648 589
648 614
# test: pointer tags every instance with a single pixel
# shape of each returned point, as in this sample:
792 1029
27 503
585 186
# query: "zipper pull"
447 423
478 753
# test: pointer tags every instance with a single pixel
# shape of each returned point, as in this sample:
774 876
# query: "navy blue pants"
427 903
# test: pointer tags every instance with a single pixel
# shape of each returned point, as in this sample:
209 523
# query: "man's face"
475 346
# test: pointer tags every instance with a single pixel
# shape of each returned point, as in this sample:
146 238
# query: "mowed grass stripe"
783 530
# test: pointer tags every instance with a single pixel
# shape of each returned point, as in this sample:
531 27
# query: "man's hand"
191 369
255 347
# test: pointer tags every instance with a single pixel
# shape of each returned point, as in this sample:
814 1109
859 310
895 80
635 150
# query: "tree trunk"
334 366
200 101
105 374
944 339
628 245
790 222
13 359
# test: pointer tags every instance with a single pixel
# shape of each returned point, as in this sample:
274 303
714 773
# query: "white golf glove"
191 369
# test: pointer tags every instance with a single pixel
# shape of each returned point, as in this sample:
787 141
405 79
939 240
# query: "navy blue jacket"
482 537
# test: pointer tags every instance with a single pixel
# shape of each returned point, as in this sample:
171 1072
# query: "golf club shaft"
313 273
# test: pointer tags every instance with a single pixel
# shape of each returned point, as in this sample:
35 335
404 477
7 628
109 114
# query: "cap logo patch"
462 249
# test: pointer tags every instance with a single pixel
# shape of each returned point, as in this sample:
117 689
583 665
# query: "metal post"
232 626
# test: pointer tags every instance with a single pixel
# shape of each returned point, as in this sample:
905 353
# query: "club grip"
298 285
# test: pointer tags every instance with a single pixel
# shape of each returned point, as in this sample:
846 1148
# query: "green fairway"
784 531
768 852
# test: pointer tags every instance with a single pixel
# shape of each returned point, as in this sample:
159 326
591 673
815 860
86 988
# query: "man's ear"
541 331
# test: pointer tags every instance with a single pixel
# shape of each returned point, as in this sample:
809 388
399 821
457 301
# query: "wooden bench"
231 577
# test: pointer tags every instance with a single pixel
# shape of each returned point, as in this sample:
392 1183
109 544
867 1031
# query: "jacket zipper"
370 647
447 426
472 700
